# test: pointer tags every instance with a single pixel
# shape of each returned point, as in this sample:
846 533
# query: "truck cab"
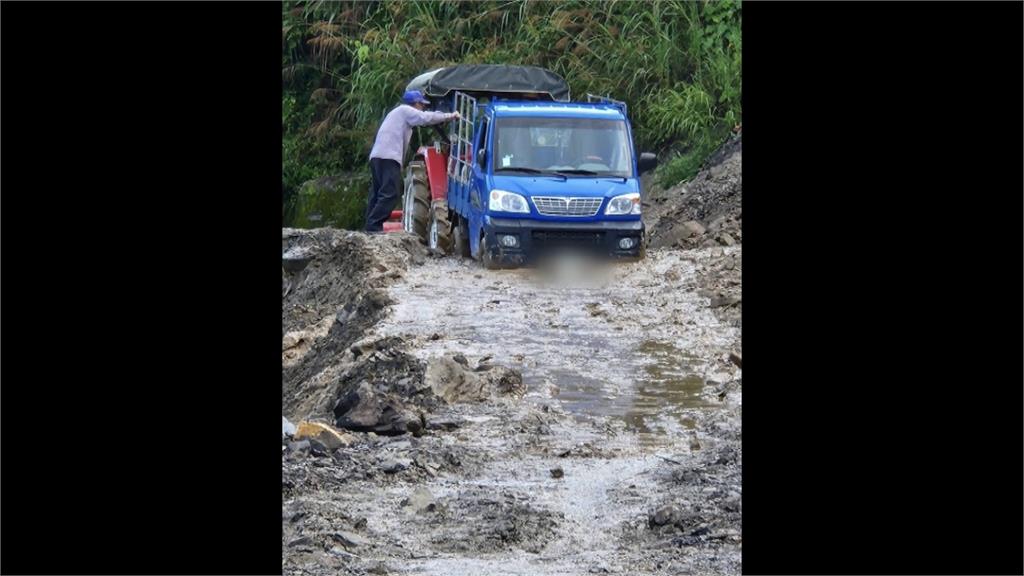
526 176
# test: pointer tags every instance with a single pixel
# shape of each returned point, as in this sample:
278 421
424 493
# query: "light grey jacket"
396 130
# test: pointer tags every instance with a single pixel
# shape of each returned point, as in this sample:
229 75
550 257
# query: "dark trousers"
384 191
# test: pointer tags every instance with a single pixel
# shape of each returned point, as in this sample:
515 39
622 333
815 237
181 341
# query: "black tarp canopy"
493 79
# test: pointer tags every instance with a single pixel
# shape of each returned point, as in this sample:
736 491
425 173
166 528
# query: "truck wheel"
439 239
460 237
416 203
485 255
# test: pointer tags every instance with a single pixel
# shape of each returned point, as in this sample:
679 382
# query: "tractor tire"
460 237
439 238
485 255
416 201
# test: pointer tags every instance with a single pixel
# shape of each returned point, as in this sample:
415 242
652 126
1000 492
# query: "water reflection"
661 392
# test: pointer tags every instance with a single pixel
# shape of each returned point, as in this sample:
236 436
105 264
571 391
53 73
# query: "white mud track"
623 456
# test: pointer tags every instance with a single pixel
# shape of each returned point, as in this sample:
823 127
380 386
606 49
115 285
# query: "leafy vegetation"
676 63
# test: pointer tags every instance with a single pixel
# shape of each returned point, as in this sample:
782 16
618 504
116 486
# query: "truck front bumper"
537 237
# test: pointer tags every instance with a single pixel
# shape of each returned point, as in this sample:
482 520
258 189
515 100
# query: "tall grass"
344 64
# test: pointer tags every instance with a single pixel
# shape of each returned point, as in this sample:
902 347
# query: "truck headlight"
625 204
503 201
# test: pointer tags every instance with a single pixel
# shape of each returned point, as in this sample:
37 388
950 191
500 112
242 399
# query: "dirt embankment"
705 211
333 290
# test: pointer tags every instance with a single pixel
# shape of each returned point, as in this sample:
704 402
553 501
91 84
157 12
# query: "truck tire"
485 255
439 237
460 237
416 202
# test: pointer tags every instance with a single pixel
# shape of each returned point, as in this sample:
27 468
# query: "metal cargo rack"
460 158
594 98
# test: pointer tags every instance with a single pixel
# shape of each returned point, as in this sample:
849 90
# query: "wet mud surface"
525 422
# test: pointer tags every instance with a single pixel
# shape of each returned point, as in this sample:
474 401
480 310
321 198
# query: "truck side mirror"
647 162
481 155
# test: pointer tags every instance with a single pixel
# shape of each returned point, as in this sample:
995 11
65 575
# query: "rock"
299 446
297 258
291 340
736 359
359 409
557 472
318 449
394 465
297 343
287 428
349 539
453 382
665 515
725 239
363 409
461 360
326 435
679 233
420 500
301 541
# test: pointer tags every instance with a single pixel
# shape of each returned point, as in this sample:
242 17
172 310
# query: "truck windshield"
575 146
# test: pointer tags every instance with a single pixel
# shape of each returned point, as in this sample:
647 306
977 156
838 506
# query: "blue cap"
414 96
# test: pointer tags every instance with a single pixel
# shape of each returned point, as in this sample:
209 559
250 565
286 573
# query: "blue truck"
525 171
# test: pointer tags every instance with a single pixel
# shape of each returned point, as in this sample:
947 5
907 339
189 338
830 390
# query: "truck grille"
560 206
567 239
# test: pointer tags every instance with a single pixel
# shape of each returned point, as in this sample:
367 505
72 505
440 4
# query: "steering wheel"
596 159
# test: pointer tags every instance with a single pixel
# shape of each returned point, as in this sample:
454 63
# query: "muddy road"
608 441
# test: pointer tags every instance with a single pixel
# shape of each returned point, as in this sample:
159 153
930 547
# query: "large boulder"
453 381
366 409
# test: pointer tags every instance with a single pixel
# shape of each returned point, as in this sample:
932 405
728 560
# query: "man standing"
388 151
